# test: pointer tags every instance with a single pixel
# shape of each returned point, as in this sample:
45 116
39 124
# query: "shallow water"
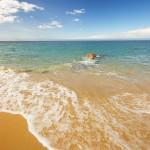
73 103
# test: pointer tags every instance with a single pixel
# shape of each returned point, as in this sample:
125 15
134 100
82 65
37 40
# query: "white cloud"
75 12
10 7
51 25
76 20
132 34
4 19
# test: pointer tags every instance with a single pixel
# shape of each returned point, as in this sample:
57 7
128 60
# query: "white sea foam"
53 112
124 111
38 102
11 98
87 61
94 67
135 103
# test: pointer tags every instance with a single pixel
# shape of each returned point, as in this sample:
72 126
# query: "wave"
85 64
58 118
36 101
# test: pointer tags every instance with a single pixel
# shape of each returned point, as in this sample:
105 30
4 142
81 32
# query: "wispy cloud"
10 7
51 25
75 12
132 34
76 20
19 21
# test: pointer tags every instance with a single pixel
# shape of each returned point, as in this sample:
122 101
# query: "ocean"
71 102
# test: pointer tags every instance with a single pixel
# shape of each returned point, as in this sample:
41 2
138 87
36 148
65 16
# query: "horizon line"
73 40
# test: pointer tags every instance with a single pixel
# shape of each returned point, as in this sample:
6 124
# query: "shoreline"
19 135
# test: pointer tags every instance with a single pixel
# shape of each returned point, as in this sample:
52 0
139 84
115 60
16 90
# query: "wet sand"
79 111
14 134
111 110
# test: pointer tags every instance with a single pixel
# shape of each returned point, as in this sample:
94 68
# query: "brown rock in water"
91 56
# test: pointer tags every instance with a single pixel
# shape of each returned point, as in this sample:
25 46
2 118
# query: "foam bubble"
135 103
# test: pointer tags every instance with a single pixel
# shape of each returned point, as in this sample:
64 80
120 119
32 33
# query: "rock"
91 56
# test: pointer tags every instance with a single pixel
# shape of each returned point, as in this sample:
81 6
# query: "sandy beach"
14 134
72 103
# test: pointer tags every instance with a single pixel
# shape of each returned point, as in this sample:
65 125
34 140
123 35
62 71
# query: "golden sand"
14 134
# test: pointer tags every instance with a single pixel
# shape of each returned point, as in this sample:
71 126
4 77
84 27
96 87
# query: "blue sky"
74 19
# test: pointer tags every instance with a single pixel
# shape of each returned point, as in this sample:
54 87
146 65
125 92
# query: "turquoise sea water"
113 55
72 103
